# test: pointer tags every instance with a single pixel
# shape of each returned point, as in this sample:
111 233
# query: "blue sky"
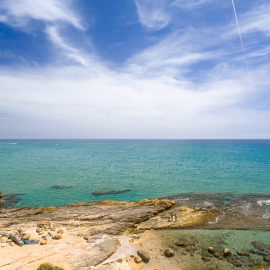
140 68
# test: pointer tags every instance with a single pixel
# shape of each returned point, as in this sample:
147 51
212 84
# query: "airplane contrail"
241 39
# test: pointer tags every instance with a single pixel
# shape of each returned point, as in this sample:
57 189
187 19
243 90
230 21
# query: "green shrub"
48 266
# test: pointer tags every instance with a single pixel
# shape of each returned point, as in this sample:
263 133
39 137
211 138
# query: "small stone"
42 224
243 252
184 252
144 255
26 236
3 245
86 238
205 258
43 242
57 236
226 252
137 259
211 250
60 231
169 252
266 259
39 230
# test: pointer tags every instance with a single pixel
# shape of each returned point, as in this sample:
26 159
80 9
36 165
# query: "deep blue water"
151 168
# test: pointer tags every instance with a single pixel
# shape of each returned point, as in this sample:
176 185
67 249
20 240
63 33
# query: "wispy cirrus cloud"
153 14
18 13
156 93
190 3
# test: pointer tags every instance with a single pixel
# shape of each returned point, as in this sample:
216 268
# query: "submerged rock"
61 187
109 192
243 252
260 246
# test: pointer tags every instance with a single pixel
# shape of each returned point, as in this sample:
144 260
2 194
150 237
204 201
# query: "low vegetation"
48 266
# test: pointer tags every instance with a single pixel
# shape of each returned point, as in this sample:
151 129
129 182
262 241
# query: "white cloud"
153 95
153 14
187 4
18 13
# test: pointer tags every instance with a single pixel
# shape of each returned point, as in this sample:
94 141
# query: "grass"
48 266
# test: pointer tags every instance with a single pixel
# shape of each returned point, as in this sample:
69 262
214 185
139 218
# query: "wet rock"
211 250
243 252
260 246
137 259
144 255
43 242
226 252
266 259
100 252
236 263
61 187
205 258
169 252
181 244
253 262
109 192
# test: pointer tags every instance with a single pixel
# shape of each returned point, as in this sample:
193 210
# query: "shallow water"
151 168
219 239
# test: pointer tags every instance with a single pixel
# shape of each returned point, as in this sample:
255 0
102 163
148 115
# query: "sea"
231 175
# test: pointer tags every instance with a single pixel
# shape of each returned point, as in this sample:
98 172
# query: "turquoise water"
151 168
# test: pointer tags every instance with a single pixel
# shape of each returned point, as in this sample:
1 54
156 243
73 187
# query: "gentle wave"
261 202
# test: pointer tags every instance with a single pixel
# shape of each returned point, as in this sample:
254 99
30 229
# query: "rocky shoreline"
113 235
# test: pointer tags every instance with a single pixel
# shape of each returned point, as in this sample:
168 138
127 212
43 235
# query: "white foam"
261 202
206 203
246 208
266 216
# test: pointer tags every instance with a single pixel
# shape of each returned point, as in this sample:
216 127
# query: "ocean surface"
149 169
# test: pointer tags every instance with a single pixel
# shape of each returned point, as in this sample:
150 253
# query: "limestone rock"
43 242
243 252
26 236
169 252
39 230
42 224
226 252
56 236
137 259
144 255
205 258
100 252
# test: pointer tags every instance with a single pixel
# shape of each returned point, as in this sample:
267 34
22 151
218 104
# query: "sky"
140 69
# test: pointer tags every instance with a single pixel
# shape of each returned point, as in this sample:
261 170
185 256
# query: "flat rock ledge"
95 235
